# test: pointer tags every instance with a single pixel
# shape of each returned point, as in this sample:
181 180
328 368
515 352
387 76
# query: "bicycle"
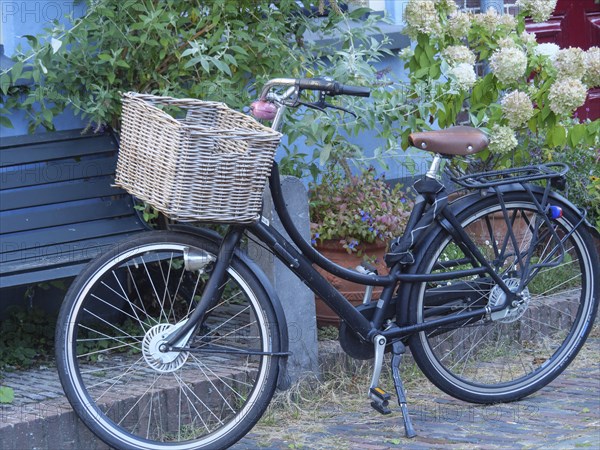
176 340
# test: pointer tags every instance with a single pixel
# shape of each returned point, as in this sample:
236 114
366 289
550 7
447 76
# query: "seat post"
435 167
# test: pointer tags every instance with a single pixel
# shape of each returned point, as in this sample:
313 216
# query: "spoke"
137 291
553 308
227 300
220 338
559 285
139 400
111 305
162 309
183 386
104 350
126 298
116 379
216 388
472 346
194 292
221 378
112 326
105 369
166 295
229 320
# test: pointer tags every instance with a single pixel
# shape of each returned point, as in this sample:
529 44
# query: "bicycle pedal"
381 407
381 395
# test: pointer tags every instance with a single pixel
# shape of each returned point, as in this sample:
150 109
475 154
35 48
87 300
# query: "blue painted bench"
58 208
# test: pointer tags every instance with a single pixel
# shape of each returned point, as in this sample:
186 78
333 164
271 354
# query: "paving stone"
565 414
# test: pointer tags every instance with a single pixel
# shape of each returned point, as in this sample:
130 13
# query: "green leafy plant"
356 209
212 50
25 337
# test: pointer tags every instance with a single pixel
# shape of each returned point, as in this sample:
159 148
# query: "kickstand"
398 349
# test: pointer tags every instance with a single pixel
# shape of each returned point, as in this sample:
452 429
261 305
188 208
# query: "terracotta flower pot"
353 292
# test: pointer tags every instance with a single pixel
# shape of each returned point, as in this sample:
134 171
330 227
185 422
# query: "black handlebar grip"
332 87
356 91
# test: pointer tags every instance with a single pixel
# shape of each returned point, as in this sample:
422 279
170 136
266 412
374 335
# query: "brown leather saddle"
452 141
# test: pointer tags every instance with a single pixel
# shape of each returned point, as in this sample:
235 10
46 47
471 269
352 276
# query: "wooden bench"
57 206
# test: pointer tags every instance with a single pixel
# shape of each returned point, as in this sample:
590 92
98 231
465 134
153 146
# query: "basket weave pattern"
210 166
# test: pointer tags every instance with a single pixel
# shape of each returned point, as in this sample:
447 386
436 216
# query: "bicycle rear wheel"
518 351
129 393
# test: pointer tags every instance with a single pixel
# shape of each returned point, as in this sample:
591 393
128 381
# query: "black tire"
505 358
133 397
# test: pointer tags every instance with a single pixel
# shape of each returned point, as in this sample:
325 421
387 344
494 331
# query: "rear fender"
283 381
458 207
462 203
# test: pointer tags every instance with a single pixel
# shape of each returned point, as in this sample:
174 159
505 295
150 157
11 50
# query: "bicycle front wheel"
521 349
132 395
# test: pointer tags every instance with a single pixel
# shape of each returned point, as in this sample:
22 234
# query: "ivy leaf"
6 123
576 134
7 394
435 72
558 136
325 153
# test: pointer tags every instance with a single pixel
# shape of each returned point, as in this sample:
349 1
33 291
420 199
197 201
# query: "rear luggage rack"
555 172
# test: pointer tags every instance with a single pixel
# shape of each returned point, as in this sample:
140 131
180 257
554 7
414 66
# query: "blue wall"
31 17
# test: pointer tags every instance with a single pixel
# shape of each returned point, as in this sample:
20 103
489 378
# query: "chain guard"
352 344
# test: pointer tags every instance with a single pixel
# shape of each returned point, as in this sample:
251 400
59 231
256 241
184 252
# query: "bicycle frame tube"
302 267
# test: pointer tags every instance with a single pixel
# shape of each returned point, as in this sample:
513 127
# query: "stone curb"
565 414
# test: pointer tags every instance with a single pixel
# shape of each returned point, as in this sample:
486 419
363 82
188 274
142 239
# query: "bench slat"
61 254
51 150
31 244
65 191
40 276
55 171
59 213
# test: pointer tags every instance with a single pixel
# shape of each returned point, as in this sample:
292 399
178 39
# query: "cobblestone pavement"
565 414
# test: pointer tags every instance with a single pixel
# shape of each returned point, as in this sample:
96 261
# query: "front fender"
282 328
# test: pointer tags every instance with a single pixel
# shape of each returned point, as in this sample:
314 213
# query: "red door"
575 23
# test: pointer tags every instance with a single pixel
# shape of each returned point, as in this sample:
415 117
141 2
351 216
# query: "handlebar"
332 87
327 85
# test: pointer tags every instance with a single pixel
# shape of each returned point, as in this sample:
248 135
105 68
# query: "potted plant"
352 219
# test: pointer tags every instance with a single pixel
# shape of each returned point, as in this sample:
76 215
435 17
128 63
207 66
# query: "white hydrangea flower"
539 10
420 16
463 76
517 108
529 39
507 42
406 53
592 67
502 140
458 54
566 95
507 23
488 21
459 24
570 63
548 50
508 64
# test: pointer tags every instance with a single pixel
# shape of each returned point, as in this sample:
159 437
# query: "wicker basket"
211 165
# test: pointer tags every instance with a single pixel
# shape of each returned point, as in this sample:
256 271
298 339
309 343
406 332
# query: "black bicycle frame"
301 263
